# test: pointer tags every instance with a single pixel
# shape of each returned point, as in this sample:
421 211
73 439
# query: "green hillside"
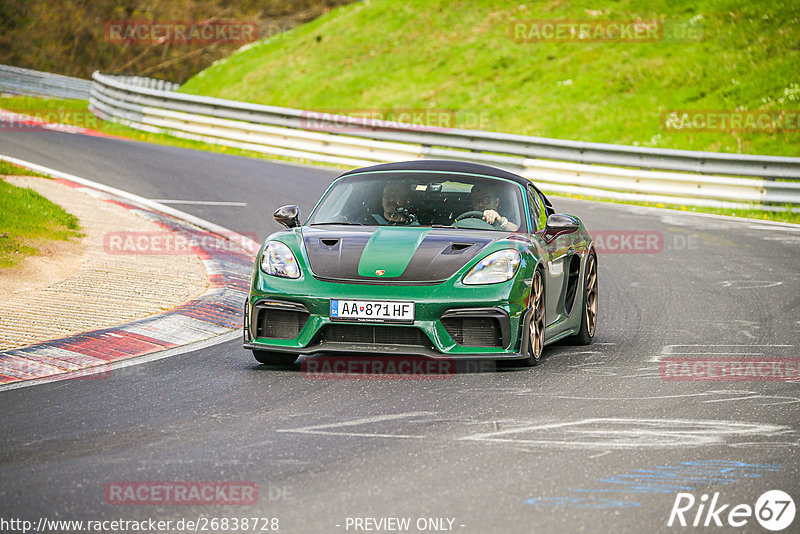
460 60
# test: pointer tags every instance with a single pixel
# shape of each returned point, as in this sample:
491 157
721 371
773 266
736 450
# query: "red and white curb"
218 311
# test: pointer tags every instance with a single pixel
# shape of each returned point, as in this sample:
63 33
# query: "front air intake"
375 335
278 323
474 331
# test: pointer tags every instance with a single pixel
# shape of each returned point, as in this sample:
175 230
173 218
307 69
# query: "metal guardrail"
20 81
582 167
148 83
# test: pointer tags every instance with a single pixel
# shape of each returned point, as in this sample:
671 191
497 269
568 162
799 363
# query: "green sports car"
442 259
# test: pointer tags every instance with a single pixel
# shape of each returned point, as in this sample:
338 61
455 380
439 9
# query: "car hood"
389 254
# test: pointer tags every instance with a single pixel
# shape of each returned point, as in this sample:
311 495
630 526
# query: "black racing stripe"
334 253
441 254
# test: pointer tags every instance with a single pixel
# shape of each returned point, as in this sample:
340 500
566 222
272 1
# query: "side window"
548 208
537 209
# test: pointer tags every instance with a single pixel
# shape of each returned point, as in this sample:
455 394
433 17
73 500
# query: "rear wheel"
534 328
274 358
589 312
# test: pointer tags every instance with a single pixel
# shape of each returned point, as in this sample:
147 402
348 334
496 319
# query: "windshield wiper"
441 226
342 223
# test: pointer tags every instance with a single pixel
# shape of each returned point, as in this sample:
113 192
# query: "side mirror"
289 216
560 224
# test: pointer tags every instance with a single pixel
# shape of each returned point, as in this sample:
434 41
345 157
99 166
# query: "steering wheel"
410 217
478 215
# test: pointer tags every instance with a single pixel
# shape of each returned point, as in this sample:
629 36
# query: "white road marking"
716 353
655 374
200 202
598 434
323 429
611 433
760 226
702 350
569 397
754 396
766 444
749 284
733 395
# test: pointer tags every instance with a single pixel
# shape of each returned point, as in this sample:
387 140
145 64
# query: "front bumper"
299 313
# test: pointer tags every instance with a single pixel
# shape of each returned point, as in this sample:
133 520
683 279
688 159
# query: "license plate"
381 311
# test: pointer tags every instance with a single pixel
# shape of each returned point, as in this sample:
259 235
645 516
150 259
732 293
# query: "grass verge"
28 219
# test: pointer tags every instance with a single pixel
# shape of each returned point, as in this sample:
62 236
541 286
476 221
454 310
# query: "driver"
484 198
395 199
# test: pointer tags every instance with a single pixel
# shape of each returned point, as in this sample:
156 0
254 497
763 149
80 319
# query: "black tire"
274 358
535 324
588 327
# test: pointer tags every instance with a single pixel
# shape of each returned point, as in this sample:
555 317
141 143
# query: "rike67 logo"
774 510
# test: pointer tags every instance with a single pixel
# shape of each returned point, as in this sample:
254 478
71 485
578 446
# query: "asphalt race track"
595 439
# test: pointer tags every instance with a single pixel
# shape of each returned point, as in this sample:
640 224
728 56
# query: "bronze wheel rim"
536 330
591 295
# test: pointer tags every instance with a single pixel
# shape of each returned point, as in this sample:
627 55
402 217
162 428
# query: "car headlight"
278 260
494 268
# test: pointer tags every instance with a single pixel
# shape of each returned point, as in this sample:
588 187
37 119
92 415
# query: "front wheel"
274 358
535 326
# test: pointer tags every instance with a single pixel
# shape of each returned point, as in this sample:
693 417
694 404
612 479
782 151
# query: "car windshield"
422 198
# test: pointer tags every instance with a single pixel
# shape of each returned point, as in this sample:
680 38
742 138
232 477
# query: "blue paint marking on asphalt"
582 502
661 479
